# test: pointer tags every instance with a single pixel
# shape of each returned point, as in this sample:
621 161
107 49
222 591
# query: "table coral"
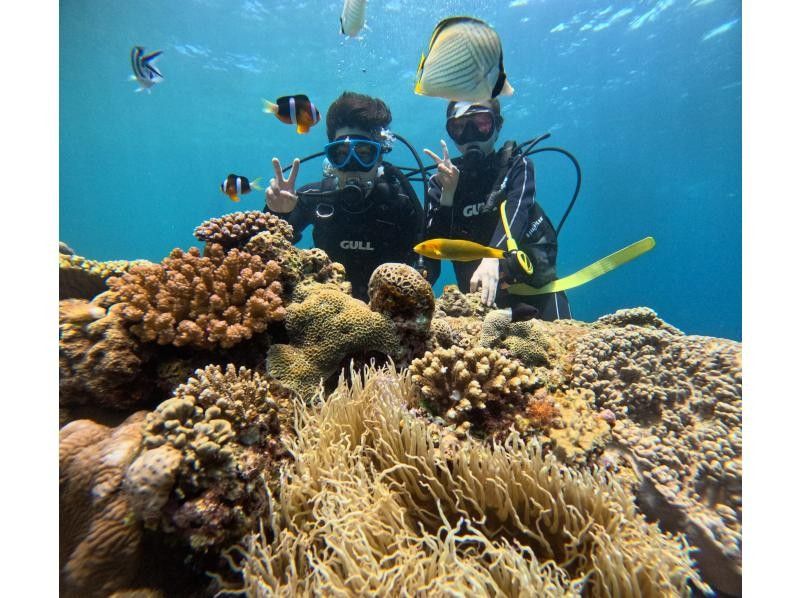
219 299
210 449
100 362
677 402
477 389
327 328
100 543
237 228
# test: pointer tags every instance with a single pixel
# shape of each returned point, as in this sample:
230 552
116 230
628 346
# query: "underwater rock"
324 330
220 299
393 515
82 278
236 229
677 404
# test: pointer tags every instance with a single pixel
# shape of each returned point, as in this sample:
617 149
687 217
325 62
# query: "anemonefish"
294 110
234 186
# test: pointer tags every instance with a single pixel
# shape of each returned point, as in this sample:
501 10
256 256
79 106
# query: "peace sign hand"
281 197
447 174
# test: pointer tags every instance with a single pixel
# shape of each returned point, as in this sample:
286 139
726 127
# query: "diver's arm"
301 216
520 195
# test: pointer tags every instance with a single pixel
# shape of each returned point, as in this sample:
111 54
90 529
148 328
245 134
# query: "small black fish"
234 185
522 312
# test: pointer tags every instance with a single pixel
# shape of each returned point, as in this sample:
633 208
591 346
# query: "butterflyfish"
145 72
294 110
234 185
352 19
464 62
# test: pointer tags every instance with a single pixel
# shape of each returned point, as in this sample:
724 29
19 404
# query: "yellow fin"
303 129
254 184
269 107
590 272
234 197
418 84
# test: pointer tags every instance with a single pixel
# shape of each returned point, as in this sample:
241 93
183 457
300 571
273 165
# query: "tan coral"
220 299
400 292
477 389
237 228
635 316
82 278
677 402
100 541
454 303
324 330
391 517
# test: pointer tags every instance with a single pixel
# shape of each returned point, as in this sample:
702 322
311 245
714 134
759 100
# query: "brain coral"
477 389
677 402
100 544
209 451
400 292
454 303
100 362
203 302
236 229
327 328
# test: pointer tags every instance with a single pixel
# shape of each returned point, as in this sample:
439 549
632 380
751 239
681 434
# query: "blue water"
647 95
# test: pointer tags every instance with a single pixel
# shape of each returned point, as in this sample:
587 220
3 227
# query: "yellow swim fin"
590 272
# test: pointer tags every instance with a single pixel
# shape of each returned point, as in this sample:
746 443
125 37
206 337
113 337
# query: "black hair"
359 111
494 105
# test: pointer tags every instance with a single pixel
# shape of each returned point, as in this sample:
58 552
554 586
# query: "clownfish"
234 185
294 110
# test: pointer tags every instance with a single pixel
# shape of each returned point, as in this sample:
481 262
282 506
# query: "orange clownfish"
294 110
456 250
234 185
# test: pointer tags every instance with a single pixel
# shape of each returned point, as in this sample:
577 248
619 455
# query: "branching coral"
209 450
677 402
236 229
100 543
477 389
369 506
203 302
324 330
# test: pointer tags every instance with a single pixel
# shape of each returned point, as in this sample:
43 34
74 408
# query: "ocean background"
647 96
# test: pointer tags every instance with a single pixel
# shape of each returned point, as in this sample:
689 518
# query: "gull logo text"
362 245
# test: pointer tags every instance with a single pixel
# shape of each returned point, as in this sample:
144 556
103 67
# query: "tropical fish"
352 19
234 185
464 62
144 71
294 110
457 250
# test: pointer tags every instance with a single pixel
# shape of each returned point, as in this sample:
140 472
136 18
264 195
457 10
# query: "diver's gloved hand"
281 197
486 277
447 174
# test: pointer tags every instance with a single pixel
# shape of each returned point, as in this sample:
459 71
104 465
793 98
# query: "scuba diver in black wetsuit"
464 199
365 212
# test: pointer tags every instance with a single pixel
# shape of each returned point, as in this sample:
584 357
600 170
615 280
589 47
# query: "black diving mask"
475 126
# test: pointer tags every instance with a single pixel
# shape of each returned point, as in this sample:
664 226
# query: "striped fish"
294 110
145 72
352 19
464 62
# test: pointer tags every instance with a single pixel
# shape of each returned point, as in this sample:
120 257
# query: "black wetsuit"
529 225
383 228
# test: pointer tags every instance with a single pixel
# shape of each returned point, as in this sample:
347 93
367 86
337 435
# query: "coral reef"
100 362
209 451
456 304
81 278
477 389
400 292
327 328
236 229
220 299
100 545
636 316
676 402
391 517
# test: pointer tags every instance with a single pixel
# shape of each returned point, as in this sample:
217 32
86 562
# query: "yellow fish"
456 250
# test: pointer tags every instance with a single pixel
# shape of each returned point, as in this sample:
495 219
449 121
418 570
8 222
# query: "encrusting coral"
327 328
454 303
99 544
209 451
219 299
370 506
237 228
677 405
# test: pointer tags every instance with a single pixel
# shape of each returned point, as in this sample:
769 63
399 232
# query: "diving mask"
475 126
353 152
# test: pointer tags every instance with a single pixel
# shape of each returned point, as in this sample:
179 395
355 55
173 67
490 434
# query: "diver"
364 211
464 201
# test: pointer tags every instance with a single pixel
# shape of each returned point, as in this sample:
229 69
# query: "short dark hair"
359 111
494 104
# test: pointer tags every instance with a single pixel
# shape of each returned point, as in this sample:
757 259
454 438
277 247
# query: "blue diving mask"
353 152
